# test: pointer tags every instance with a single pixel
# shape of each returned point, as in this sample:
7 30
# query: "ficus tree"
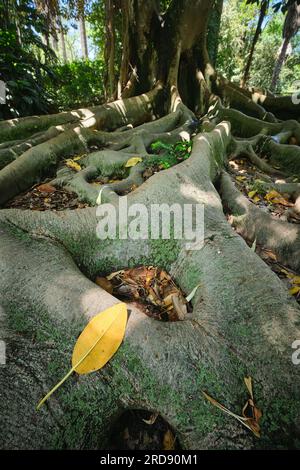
243 323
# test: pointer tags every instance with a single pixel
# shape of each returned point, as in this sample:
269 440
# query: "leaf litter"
152 288
42 197
247 178
245 175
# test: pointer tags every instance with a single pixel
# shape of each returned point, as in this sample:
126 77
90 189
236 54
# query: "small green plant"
171 154
259 186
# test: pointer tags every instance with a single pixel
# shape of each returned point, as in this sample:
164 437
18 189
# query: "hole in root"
152 288
142 430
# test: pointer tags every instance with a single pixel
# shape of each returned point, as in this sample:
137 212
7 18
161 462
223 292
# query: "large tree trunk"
279 63
214 26
263 11
290 28
110 80
83 38
62 41
243 322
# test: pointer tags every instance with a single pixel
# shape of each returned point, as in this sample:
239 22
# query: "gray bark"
62 41
239 326
83 38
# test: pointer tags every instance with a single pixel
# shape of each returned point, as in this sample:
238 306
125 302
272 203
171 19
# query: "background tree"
81 19
290 28
262 15
62 39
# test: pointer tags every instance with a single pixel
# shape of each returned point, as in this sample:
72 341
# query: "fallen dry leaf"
98 342
112 275
250 422
71 164
153 287
192 294
105 284
248 383
152 419
294 290
133 161
179 305
169 440
46 188
252 193
276 198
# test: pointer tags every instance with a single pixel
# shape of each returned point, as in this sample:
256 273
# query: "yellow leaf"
168 441
100 339
296 280
133 161
294 290
71 164
284 271
256 199
241 178
98 342
252 193
272 195
282 201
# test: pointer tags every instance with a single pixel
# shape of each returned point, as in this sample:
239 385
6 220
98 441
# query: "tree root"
254 224
42 160
9 153
245 149
287 157
161 367
109 116
269 138
247 126
241 101
257 103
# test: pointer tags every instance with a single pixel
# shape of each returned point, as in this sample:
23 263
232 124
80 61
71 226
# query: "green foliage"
259 186
96 20
239 21
236 26
266 54
77 84
171 154
24 59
